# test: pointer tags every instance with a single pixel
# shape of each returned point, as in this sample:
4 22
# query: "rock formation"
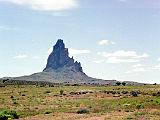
61 68
59 59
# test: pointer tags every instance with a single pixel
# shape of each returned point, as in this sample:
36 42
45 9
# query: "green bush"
118 83
61 92
134 93
82 111
124 92
139 106
6 114
48 112
156 94
123 83
47 92
3 117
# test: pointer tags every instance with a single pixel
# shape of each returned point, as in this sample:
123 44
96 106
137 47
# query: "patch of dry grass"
30 100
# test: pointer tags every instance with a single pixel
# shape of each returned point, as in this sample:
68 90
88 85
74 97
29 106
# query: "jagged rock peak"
59 45
59 59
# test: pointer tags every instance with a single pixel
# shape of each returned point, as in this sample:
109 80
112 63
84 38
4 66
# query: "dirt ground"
153 114
73 116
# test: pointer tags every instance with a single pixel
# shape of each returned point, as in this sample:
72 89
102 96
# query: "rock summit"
59 59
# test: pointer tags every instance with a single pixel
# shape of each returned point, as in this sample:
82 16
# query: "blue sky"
113 39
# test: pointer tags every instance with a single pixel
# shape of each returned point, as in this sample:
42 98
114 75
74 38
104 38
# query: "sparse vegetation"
47 91
118 83
31 100
8 114
123 83
139 106
83 111
134 93
61 92
48 112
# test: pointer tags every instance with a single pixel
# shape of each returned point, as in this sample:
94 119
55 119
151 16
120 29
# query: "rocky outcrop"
59 59
61 68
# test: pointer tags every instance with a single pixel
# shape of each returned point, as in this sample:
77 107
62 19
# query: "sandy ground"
73 116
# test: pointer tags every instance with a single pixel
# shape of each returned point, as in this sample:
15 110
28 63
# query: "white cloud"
157 67
98 61
122 56
73 51
20 56
36 57
123 0
106 42
137 68
45 5
138 65
6 28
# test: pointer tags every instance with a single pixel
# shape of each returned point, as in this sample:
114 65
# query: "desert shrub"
51 85
3 117
75 85
42 85
123 83
157 101
84 92
139 106
83 111
8 114
124 92
130 118
67 84
47 91
48 112
1 85
118 92
107 92
61 92
90 91
134 93
12 97
155 84
118 83
73 93
14 102
113 92
156 94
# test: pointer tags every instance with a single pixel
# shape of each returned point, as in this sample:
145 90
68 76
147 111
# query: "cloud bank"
6 28
73 51
122 56
20 56
106 42
45 5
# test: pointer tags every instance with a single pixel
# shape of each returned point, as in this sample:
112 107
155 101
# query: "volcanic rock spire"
59 59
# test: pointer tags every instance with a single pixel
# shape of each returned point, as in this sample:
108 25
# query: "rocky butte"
59 59
61 68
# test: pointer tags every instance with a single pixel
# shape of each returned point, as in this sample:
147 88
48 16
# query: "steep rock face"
59 59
